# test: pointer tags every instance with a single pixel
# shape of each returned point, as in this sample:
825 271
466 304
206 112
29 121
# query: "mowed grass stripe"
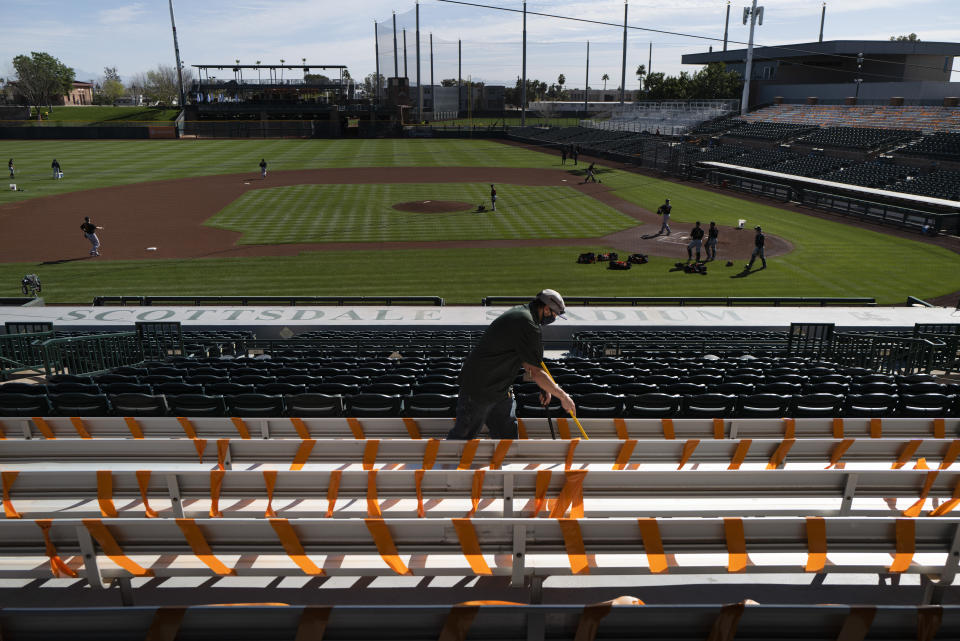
365 213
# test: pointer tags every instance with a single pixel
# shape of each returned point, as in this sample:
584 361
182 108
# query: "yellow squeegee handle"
572 415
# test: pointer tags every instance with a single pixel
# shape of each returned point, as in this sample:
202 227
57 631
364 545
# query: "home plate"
427 201
151 249
246 183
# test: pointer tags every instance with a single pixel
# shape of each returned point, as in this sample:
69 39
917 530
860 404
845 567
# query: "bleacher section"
941 146
925 119
764 158
939 183
772 131
872 174
810 166
857 137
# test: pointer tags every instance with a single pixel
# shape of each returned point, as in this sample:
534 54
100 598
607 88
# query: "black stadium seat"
138 405
655 405
80 404
255 405
314 405
373 405
763 406
197 405
14 404
427 405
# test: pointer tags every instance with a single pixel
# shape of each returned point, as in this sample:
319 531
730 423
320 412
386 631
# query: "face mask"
546 320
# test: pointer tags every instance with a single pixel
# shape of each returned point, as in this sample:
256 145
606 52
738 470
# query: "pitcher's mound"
433 206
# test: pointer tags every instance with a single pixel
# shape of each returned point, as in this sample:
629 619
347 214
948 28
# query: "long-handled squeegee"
572 415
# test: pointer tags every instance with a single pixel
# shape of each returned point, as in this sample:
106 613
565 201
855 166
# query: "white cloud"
121 15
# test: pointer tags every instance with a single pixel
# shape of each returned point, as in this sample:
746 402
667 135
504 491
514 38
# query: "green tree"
109 88
41 78
161 84
912 37
370 83
448 82
605 77
640 73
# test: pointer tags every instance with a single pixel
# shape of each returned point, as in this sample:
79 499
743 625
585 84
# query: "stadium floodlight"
753 13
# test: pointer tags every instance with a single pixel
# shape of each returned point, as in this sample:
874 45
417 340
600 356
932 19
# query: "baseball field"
376 217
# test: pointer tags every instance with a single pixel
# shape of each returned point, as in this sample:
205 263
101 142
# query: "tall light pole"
623 68
523 86
753 14
586 84
726 27
281 70
258 72
823 16
176 52
858 79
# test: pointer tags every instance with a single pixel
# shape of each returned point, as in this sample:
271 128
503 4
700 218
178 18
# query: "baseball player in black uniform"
11 168
712 235
696 242
664 210
90 233
263 168
493 197
758 242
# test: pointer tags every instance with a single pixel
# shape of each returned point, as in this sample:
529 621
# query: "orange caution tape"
303 453
839 450
621 426
80 427
571 496
816 544
134 426
241 426
837 427
355 427
653 545
540 493
7 479
458 622
223 448
112 549
789 428
313 623
951 455
57 567
418 483
573 542
500 453
780 454
216 484
105 493
200 444
522 429
719 428
188 428
563 429
688 449
470 545
946 508
736 544
906 531
373 506
740 454
270 480
626 451
916 508
430 453
568 462
876 428
385 546
143 481
921 464
294 549
906 454
300 427
198 543
413 428
589 623
469 451
476 491
44 427
332 490
667 425
370 453
939 428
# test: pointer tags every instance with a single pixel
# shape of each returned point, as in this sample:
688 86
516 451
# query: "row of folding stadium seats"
764 158
857 137
927 119
593 404
943 145
870 174
940 183
769 130
810 166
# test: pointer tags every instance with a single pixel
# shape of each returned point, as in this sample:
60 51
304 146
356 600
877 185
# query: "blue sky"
135 36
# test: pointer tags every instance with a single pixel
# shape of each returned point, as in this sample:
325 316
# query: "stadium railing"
22 352
728 301
99 301
91 354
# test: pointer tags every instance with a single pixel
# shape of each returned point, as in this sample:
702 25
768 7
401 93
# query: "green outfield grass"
107 114
94 164
830 258
364 213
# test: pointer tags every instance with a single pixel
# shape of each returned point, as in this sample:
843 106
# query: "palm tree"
641 72
258 72
281 70
605 77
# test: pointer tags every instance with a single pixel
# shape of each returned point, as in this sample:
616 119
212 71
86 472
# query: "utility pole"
396 62
859 78
176 53
419 84
623 68
726 28
752 14
405 73
431 61
523 86
459 75
586 84
649 63
823 16
376 47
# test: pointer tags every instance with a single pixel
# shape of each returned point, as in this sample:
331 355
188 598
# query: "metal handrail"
887 354
91 354
728 301
21 352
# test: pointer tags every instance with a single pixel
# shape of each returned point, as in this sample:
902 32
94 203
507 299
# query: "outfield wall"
269 322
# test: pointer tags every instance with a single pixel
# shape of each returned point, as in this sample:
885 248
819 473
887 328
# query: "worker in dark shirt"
512 341
696 242
758 242
712 235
